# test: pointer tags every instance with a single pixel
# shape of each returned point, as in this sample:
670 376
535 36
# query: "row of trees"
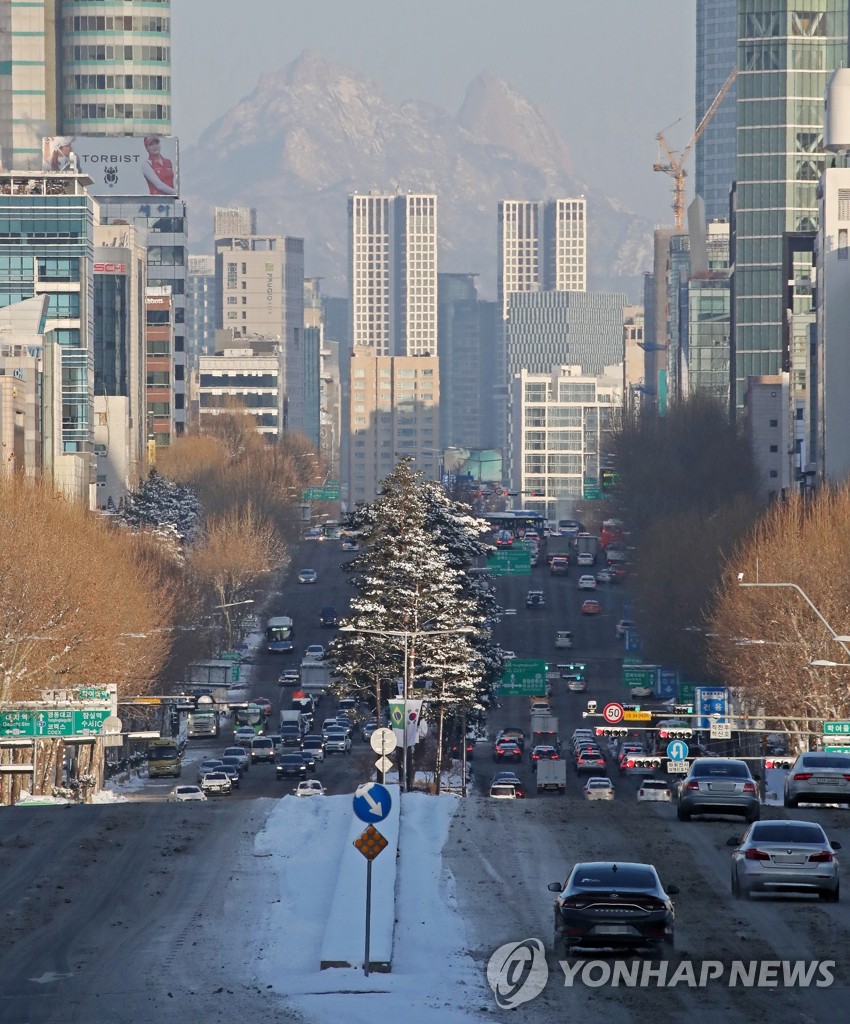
686 486
83 600
419 615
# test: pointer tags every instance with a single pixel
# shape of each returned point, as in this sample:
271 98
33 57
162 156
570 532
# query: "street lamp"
843 640
231 604
406 635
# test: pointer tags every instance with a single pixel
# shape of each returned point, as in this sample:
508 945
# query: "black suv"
327 616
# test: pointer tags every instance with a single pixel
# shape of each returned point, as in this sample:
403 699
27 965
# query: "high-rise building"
234 221
785 57
394 369
47 248
201 308
716 56
68 68
260 293
542 246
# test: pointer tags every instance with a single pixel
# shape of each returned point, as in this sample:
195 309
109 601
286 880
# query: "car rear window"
787 832
596 876
653 784
827 761
713 768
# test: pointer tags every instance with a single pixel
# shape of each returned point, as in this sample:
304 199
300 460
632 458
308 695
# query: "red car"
264 703
591 607
507 750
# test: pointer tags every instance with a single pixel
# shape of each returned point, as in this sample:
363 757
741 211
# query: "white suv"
262 749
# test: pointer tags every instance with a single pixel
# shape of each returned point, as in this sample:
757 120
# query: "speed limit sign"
613 713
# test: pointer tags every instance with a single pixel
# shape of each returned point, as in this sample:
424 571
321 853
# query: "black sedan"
613 904
291 766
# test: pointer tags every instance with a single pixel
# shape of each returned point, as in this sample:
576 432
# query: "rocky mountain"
314 132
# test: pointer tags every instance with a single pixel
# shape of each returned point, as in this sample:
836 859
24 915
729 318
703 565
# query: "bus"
202 722
164 759
516 521
279 635
249 714
331 529
612 532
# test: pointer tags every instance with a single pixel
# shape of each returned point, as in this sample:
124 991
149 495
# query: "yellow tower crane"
675 166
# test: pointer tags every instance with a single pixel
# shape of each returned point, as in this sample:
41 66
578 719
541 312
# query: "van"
564 638
262 749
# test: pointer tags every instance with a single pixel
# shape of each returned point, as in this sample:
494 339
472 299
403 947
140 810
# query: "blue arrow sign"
372 802
677 750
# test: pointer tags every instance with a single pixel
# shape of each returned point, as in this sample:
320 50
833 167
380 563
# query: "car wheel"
736 885
682 815
790 801
829 896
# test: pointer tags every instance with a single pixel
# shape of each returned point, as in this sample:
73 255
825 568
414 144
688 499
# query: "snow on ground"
432 973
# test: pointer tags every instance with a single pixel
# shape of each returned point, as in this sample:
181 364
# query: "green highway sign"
510 562
327 493
632 659
52 722
523 678
640 675
230 656
591 493
836 728
836 749
91 693
235 671
686 693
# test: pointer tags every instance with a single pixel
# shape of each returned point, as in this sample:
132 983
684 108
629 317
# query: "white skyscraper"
395 393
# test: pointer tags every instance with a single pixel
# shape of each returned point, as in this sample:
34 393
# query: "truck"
544 730
315 678
551 775
586 543
292 717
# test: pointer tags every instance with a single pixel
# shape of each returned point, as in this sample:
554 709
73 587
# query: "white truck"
315 678
551 775
544 730
292 718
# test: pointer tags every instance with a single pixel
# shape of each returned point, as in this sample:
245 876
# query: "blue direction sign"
711 705
677 750
668 683
372 802
633 644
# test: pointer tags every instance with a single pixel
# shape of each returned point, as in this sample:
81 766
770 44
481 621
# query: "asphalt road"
114 913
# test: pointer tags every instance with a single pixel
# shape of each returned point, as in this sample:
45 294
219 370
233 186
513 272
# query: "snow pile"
305 841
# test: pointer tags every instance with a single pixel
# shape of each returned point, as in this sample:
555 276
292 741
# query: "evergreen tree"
164 506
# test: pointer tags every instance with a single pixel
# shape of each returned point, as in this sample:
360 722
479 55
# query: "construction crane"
675 167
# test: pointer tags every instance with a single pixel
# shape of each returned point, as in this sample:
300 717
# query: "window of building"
774 448
774 423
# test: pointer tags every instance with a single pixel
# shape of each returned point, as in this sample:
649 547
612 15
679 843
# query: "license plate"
721 787
784 858
612 929
829 782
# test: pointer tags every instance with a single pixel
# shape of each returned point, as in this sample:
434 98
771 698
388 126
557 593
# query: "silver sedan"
818 778
785 856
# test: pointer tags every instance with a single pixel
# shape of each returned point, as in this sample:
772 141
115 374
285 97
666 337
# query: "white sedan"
183 794
309 787
587 582
315 652
308 576
599 788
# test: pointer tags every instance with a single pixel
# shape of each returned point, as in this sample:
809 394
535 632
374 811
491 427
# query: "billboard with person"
125 165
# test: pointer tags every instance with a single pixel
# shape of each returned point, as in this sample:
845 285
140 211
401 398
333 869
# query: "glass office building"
46 248
785 58
716 56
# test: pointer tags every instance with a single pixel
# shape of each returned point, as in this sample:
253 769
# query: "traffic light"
684 709
675 734
643 762
779 762
602 730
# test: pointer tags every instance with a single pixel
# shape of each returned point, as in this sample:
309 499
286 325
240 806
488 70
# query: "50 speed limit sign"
613 713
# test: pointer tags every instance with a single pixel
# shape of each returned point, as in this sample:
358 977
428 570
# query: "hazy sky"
608 73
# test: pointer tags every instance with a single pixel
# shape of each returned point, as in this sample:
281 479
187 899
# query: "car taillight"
630 764
824 857
749 787
756 855
802 776
692 785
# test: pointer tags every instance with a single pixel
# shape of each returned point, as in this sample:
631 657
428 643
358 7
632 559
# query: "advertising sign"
118 166
477 465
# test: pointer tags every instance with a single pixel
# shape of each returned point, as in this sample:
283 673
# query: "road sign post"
510 562
370 842
383 742
613 713
372 802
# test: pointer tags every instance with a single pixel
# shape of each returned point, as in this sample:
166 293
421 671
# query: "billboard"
478 465
125 165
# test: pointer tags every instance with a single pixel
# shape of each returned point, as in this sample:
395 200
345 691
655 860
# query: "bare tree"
766 638
76 605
